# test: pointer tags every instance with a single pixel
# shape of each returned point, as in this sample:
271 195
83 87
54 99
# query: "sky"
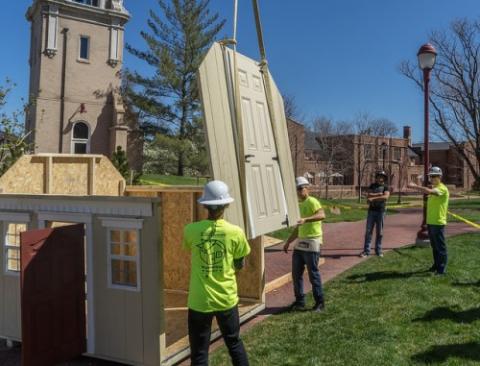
337 58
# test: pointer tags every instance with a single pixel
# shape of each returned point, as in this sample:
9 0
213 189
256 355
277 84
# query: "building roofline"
295 121
124 15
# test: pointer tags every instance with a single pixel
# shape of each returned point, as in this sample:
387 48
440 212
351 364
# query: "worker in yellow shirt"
437 208
218 250
308 238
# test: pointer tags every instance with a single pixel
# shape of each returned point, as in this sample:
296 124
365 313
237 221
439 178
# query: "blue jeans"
436 234
301 259
374 219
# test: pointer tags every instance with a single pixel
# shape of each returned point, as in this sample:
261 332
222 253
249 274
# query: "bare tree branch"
455 89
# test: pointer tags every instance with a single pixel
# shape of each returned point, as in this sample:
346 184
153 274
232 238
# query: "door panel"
53 295
270 181
262 173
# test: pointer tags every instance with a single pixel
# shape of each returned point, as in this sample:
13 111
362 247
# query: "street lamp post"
426 60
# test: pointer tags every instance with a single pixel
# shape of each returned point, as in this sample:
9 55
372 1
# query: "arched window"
80 138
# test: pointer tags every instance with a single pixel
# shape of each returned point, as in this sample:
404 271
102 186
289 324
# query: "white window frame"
122 224
80 58
11 218
80 141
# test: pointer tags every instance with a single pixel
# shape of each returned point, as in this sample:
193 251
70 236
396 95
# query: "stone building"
75 62
358 157
444 155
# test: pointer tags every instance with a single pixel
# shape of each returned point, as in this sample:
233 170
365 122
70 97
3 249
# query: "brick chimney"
407 134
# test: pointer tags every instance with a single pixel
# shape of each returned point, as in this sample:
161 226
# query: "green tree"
120 161
13 139
168 101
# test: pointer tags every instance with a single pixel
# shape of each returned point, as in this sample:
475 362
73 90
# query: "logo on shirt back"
212 253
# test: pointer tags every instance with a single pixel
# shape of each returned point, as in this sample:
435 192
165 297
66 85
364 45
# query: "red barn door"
53 295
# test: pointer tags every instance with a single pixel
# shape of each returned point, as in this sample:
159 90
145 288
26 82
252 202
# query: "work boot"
319 307
297 306
363 255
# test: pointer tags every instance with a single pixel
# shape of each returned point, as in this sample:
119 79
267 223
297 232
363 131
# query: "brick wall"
296 135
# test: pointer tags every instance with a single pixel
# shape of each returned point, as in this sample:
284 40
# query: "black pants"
200 329
436 234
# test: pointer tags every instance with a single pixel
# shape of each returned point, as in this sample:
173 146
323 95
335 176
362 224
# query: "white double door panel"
265 195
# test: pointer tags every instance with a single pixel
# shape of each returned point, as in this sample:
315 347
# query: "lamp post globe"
427 56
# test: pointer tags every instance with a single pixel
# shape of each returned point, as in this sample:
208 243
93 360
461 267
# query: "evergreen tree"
120 161
168 101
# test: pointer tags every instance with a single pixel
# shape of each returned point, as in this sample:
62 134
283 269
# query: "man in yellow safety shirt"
437 209
218 249
308 237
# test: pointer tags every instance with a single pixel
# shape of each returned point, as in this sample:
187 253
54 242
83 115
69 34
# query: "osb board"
108 181
177 211
160 189
201 211
250 279
133 193
26 176
69 176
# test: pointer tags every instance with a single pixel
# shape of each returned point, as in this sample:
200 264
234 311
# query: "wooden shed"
136 271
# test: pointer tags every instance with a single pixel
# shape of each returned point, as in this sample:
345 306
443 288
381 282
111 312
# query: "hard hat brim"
435 174
224 201
303 185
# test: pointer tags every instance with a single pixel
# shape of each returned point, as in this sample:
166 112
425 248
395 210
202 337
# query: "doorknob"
247 157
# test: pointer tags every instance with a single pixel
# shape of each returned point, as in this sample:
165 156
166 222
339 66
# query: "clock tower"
75 62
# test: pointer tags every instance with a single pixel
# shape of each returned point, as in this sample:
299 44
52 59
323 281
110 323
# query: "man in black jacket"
377 197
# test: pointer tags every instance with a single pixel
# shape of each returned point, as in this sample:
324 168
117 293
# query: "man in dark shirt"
377 197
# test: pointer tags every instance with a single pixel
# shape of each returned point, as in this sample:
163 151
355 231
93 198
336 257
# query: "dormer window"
87 2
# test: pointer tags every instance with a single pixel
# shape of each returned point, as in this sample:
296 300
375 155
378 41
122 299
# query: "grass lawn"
170 180
385 311
467 208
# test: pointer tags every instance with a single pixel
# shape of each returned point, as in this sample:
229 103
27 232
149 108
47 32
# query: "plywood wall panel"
69 176
250 279
76 175
177 211
25 176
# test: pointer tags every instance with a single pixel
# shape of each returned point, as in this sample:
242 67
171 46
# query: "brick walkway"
343 243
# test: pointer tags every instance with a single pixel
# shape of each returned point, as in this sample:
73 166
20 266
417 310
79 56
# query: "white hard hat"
301 181
215 193
435 171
